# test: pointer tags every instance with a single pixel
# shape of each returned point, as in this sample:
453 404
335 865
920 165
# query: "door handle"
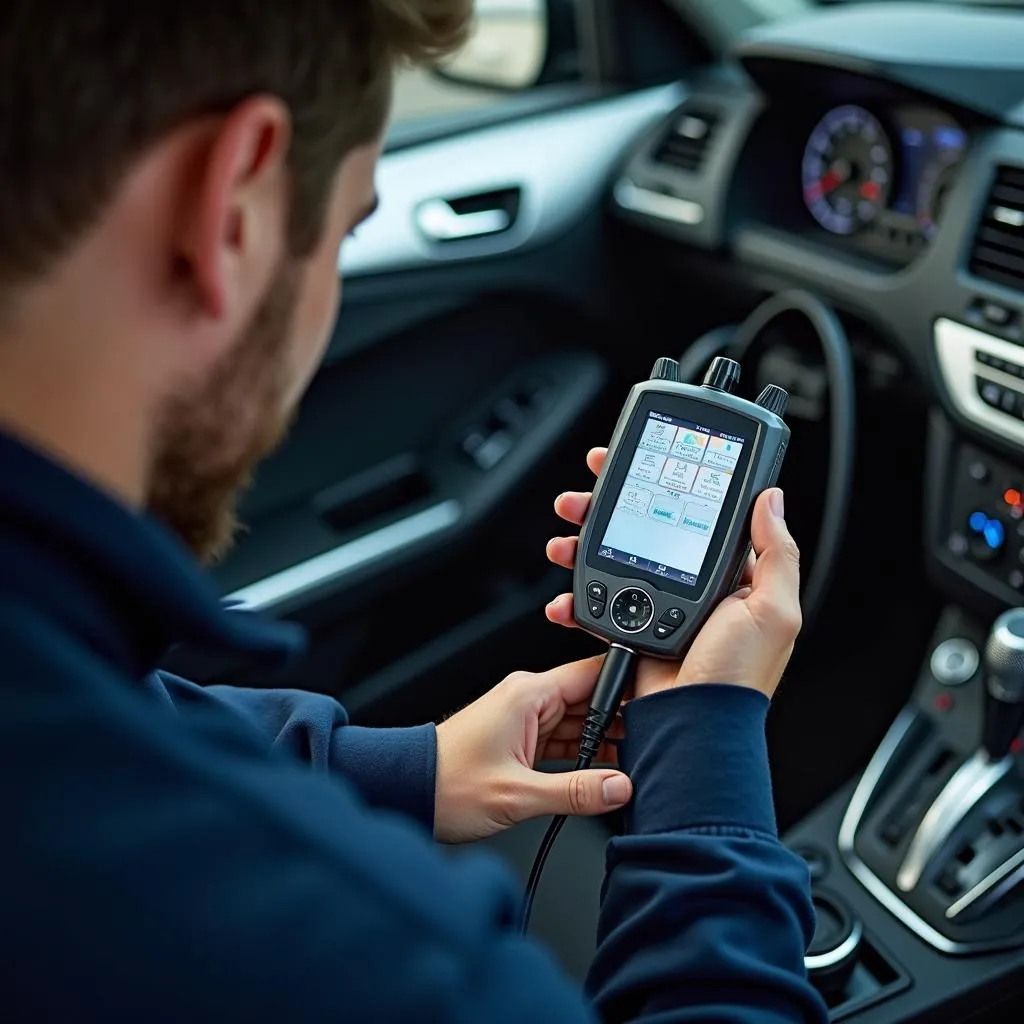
439 221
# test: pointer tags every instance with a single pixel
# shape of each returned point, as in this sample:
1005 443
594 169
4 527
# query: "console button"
673 617
597 591
954 661
663 631
632 610
989 391
978 471
958 544
596 608
997 315
987 536
1016 579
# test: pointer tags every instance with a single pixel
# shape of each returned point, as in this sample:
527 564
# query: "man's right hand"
748 639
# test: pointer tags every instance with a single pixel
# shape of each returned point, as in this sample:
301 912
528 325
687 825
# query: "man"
178 178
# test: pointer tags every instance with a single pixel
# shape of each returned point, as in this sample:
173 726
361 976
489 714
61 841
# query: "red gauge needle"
836 175
870 191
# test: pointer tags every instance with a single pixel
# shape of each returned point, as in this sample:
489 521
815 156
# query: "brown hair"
87 85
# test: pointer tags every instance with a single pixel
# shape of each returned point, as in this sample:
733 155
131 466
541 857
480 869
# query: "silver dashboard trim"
868 783
657 204
973 780
560 162
888 899
902 912
956 345
855 812
992 887
332 566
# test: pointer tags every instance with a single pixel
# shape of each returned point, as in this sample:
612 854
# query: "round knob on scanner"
723 374
774 399
665 369
1004 680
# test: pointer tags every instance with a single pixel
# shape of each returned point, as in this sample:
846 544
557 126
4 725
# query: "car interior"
831 193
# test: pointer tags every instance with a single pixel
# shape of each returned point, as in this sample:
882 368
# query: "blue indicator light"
978 522
950 138
994 534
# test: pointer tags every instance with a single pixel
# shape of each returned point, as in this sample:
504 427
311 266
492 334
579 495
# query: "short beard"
213 435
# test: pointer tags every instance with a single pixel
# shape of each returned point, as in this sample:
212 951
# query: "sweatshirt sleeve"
392 769
705 915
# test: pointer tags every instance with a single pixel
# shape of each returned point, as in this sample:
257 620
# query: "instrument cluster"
880 177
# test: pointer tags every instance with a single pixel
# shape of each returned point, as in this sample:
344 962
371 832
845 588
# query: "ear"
232 235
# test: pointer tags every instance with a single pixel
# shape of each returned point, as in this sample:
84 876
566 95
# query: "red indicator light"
943 703
870 191
1015 747
1012 496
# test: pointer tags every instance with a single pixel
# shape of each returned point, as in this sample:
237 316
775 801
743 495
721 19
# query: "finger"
573 682
562 551
775 586
580 794
572 506
559 611
568 750
748 570
595 460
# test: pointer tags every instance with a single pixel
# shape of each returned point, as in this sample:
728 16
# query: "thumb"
579 794
775 587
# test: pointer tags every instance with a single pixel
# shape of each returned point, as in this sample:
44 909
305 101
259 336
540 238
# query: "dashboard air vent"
998 253
686 144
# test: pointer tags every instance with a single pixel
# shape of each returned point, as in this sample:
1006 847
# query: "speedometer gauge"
847 170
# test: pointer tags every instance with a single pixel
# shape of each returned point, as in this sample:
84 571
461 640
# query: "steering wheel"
737 341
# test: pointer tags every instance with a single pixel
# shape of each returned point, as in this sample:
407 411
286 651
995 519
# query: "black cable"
612 682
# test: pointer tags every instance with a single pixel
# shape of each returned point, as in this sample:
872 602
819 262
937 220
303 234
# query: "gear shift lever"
1004 681
979 774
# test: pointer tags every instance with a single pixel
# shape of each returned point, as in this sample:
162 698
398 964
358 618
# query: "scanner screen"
674 492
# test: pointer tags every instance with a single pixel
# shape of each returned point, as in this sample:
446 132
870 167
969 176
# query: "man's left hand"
486 779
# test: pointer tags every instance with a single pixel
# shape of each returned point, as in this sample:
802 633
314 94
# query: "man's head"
178 178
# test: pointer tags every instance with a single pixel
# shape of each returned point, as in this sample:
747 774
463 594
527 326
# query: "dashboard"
873 155
880 175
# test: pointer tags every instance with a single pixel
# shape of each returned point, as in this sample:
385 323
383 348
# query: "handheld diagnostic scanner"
668 530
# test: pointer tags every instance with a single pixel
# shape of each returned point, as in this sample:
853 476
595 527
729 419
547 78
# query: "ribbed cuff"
392 768
697 756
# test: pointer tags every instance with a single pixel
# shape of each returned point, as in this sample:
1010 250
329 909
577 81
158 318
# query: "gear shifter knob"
1004 680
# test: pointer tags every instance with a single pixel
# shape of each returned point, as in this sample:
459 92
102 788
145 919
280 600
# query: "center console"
918 866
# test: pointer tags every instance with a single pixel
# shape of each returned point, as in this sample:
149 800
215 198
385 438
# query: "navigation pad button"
632 610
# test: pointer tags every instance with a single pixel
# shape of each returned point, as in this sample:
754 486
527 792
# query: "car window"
507 48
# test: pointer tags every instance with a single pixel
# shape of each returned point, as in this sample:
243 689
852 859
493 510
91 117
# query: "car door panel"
559 163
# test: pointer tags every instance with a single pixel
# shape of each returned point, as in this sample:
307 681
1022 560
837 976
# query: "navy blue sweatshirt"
178 854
